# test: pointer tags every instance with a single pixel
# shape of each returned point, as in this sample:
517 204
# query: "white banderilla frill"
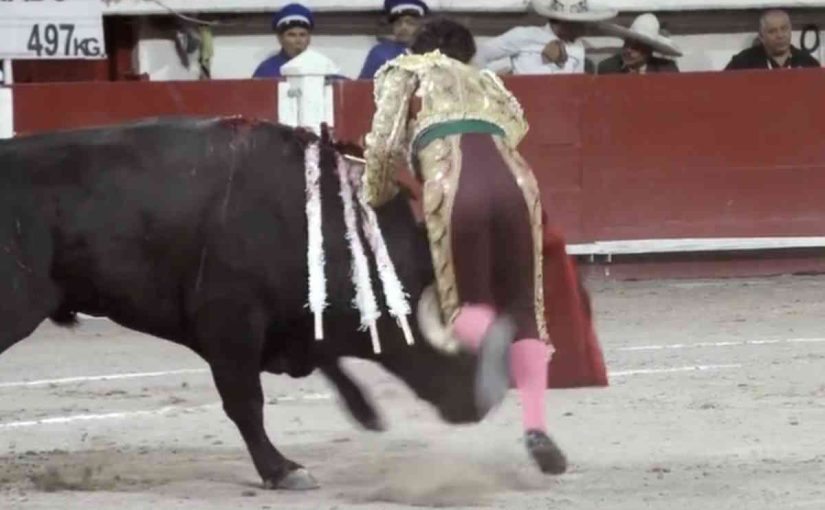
364 295
315 239
394 292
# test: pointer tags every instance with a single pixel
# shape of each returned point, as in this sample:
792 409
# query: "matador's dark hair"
452 38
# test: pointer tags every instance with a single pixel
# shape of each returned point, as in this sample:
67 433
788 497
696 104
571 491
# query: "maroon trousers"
578 360
492 236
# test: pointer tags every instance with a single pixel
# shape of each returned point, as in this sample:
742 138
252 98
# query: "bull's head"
442 377
443 380
434 368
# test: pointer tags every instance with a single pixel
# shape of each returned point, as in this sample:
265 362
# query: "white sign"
34 29
6 113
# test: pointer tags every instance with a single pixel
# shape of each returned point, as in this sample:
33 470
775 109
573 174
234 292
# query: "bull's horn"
428 314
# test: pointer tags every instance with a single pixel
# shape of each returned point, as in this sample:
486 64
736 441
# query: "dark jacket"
381 53
271 67
756 58
614 65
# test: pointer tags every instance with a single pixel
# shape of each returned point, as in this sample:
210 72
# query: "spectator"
405 17
774 50
552 49
293 24
641 40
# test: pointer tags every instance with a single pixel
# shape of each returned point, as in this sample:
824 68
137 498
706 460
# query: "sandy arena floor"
717 402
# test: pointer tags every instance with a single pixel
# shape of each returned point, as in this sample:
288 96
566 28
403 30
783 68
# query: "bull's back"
151 218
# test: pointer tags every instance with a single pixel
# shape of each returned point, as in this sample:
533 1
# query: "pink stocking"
528 368
471 324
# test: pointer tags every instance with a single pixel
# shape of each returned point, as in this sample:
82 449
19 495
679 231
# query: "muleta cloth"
291 16
646 30
571 10
396 8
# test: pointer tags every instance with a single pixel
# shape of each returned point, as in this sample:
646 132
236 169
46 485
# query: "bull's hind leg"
24 303
27 295
18 320
231 340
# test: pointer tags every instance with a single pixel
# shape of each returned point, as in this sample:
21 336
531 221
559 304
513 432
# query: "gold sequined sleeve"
386 141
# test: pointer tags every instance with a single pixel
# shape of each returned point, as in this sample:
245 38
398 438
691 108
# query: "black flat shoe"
548 456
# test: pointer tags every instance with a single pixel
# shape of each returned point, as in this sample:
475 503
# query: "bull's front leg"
353 396
232 348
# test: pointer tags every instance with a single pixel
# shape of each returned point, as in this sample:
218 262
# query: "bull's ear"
304 136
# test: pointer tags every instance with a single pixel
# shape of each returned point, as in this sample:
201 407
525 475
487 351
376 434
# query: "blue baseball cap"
291 16
397 8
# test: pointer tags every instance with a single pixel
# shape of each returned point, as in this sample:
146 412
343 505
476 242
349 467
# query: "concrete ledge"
643 246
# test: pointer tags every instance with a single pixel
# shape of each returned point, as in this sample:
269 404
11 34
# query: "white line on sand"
302 398
632 348
104 416
59 420
105 377
138 375
693 368
663 347
56 420
811 503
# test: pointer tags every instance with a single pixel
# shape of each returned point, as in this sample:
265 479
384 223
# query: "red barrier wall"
617 157
43 107
667 156
705 155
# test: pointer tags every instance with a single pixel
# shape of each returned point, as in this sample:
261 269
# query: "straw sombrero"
646 30
571 10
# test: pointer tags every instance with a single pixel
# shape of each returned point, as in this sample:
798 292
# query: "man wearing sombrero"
641 41
550 49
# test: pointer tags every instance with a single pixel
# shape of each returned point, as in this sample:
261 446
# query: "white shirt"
523 47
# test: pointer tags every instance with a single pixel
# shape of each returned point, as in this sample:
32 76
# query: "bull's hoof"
365 414
493 371
545 453
296 480
373 424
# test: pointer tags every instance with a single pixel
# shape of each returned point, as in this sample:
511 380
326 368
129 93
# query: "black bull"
194 230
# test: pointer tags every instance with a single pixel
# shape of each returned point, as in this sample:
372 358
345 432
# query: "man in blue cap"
294 24
405 17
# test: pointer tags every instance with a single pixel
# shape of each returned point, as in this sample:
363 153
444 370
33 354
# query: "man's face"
294 41
405 28
775 33
567 31
635 54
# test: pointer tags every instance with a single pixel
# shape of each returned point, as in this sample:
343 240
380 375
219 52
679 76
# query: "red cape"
578 360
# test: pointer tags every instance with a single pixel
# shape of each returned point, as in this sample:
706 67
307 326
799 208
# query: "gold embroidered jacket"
448 90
